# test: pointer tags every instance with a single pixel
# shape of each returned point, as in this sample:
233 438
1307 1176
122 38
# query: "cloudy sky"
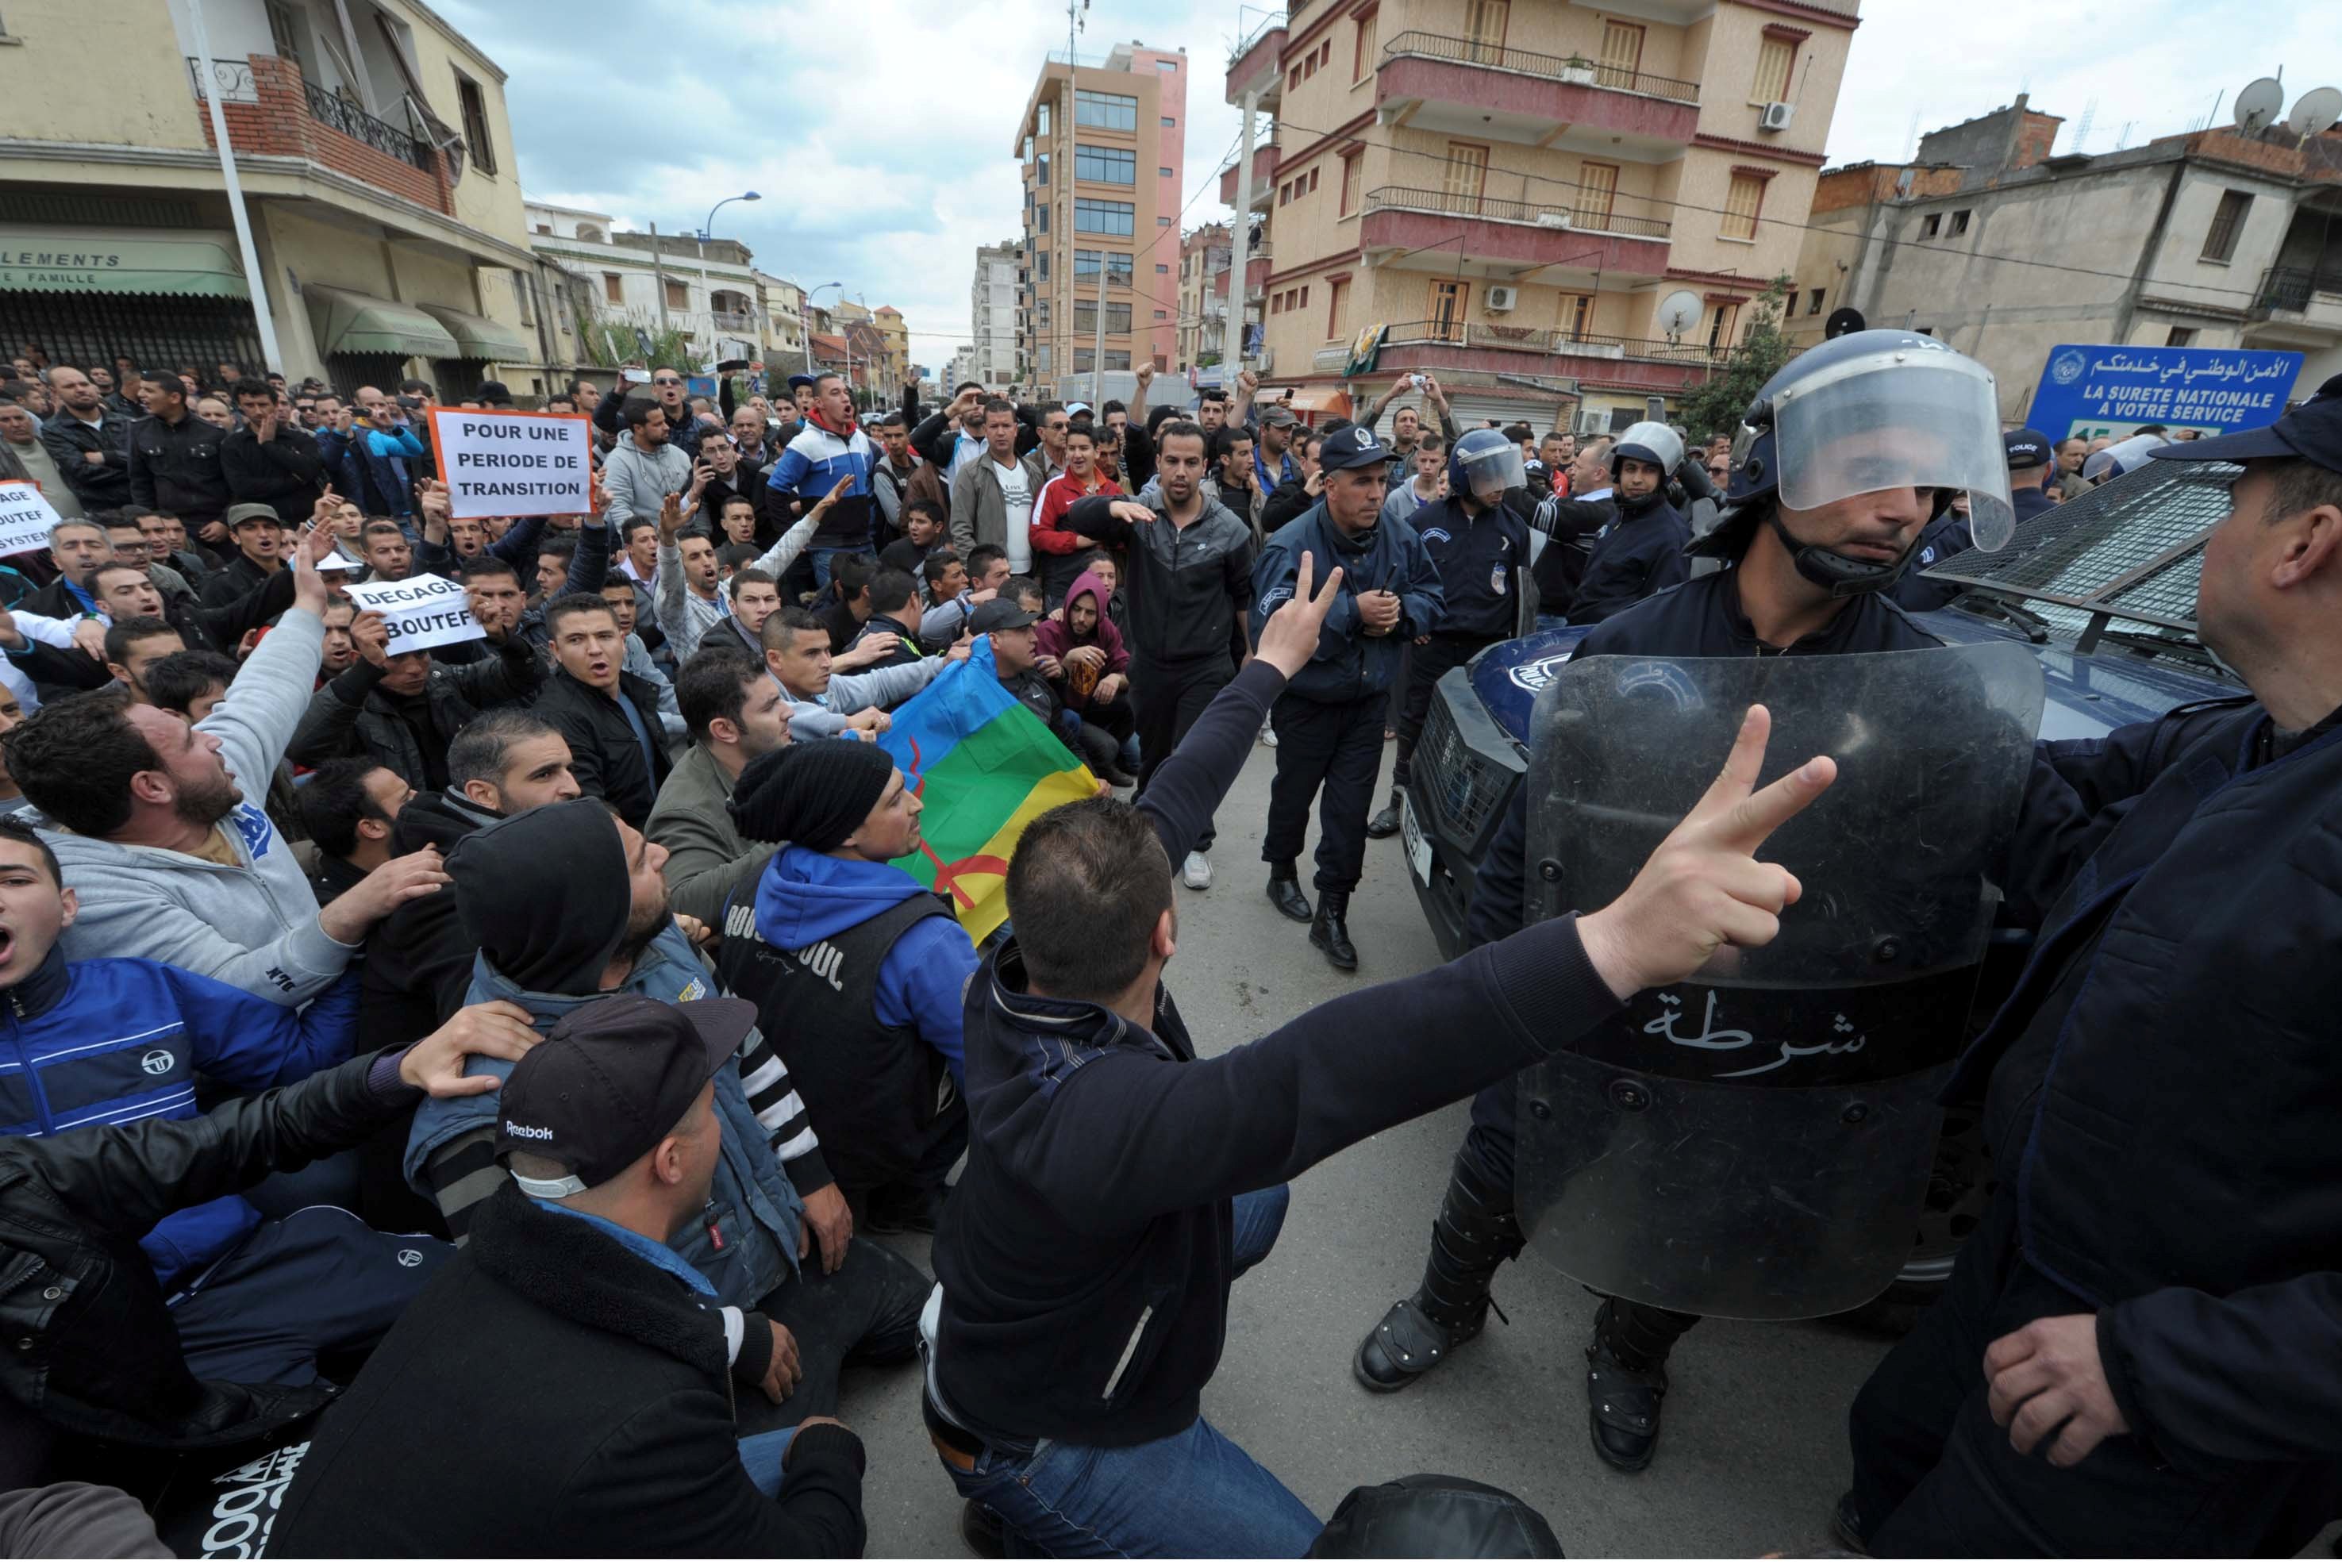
881 135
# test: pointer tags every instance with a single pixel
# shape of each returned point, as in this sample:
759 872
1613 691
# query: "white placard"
424 611
498 463
25 516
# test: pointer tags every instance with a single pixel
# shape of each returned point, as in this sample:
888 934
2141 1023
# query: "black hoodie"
418 964
548 891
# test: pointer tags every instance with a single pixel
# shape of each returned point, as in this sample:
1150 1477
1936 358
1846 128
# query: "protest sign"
25 516
502 463
423 612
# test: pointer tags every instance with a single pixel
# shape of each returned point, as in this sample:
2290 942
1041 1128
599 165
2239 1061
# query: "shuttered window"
1775 56
1740 207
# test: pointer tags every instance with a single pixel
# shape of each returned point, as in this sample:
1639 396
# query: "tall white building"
991 303
707 291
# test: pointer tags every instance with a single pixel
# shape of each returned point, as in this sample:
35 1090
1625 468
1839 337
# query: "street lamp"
705 231
808 323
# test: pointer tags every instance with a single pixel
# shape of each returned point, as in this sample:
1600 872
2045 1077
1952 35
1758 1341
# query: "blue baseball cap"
2026 448
2313 431
1355 447
801 379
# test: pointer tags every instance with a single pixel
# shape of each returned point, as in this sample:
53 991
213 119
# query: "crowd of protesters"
530 1041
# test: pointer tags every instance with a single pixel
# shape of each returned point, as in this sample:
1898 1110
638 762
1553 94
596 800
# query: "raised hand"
1288 639
1704 887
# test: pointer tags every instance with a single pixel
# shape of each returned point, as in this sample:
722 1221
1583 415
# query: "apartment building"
1496 191
378 178
1203 257
995 313
1994 243
1100 145
706 289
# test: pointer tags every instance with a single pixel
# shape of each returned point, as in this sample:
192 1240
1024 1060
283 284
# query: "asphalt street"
1755 1451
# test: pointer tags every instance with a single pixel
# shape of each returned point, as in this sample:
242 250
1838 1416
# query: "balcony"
1438 84
272 109
1421 230
1650 363
2300 296
1257 64
1264 179
734 320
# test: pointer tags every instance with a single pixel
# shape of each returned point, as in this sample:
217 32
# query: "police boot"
1386 821
1474 1233
1330 931
1285 892
1626 1376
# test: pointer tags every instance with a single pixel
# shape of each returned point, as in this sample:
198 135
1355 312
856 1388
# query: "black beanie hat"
814 793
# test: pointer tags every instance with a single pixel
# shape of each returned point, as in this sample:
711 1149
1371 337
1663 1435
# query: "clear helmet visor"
1909 418
1490 474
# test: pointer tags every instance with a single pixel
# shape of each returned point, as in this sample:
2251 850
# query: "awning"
481 339
351 323
84 261
1330 400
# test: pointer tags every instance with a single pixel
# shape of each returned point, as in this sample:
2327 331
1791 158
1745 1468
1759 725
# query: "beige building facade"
378 175
1514 190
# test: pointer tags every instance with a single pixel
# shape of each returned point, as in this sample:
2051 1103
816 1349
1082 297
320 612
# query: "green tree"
1734 382
609 341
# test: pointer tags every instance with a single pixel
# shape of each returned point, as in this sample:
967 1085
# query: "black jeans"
867 1313
1168 699
1425 663
1935 1476
1338 747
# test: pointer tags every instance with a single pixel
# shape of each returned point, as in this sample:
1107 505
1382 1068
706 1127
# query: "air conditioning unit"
1503 297
1775 117
1263 362
1591 422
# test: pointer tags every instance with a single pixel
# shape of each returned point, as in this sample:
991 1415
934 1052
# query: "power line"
2123 277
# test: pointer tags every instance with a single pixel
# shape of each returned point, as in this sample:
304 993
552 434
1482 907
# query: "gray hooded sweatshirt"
253 924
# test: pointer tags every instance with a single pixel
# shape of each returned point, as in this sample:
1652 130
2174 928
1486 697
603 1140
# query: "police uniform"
1641 552
1948 535
1329 719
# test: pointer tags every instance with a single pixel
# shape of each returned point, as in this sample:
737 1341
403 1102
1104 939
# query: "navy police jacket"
1475 558
1349 665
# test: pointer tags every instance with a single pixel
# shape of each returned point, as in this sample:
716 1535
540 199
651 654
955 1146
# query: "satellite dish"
2257 105
2315 111
1843 320
1680 313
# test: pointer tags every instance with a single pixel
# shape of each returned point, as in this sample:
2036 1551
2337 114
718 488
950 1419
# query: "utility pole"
254 278
1239 250
1097 342
658 279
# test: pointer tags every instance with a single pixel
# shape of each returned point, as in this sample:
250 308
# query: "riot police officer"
1642 550
2029 455
1329 720
1849 453
1480 541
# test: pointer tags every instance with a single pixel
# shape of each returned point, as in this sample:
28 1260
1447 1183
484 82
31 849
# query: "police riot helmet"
1652 442
1484 465
1877 410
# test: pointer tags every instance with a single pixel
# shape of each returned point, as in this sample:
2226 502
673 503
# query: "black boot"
1331 930
1386 821
1626 1377
1472 1236
1285 892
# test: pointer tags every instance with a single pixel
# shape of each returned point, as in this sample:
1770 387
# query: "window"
1338 307
1931 226
1960 221
1118 359
1097 217
1110 165
1163 316
1720 325
1285 193
1165 173
1310 66
1083 361
476 141
614 288
1106 111
2180 337
542 229
1040 361
1466 172
2228 222
1041 219
1041 121
1577 316
1775 59
1622 55
1484 30
1313 178
1117 266
1293 78
1118 315
588 231
1041 262
1162 269
1166 64
1041 174
1597 194
1812 302
1170 123
1741 205
1448 298
1362 51
677 296
1350 182
1163 222
1029 149
1305 297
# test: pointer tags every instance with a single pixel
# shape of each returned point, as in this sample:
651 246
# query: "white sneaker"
1197 872
1268 736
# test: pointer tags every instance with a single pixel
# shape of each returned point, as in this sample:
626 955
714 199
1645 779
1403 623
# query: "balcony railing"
1550 340
1553 214
2289 287
354 122
232 79
734 319
1575 69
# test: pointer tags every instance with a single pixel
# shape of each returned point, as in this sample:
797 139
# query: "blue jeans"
820 559
1192 1495
761 1455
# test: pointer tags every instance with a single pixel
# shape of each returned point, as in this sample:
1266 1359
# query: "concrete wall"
144 99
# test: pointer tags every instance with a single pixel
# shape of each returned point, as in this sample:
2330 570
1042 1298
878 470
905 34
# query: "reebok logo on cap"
541 1135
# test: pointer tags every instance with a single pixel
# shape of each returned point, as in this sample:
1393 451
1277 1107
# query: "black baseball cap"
2026 448
494 393
1355 447
612 1079
999 615
2313 431
1277 414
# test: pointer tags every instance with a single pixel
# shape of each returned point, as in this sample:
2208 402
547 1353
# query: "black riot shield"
1756 1142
